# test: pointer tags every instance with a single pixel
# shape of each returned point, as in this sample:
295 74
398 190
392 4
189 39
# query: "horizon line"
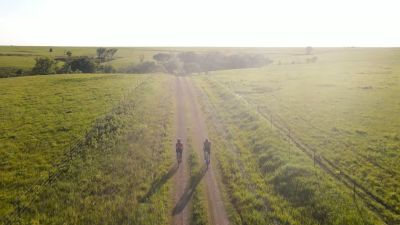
193 46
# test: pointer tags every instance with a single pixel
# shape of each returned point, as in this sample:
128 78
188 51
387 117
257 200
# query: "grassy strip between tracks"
200 210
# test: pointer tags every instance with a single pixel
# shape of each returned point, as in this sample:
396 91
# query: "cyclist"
179 150
207 151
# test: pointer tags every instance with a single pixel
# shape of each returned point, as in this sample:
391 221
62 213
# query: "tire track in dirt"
215 203
180 213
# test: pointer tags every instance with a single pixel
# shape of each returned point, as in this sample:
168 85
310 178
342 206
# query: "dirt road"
181 179
186 97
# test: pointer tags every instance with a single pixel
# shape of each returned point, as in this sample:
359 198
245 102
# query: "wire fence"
359 190
98 130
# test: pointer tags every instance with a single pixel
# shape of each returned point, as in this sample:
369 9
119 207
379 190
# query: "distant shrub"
105 54
83 64
105 69
44 65
65 69
12 72
69 53
191 62
189 57
161 57
19 72
173 66
191 68
144 67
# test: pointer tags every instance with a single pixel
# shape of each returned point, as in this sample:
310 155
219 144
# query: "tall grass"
299 192
110 179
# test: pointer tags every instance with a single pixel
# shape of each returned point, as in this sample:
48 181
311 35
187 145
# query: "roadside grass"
344 107
248 199
120 173
296 192
42 117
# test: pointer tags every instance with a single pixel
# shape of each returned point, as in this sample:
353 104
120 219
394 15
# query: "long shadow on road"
187 195
158 183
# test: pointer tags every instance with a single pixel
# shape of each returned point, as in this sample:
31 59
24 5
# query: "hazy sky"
200 22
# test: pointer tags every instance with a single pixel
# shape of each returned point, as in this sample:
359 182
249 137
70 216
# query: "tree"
191 67
109 54
69 53
161 57
44 65
101 53
173 66
104 54
105 69
66 68
83 64
188 57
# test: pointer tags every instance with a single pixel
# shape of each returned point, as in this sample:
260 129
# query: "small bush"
12 72
65 69
84 64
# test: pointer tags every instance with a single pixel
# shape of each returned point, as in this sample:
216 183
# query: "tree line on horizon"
183 63
189 62
80 64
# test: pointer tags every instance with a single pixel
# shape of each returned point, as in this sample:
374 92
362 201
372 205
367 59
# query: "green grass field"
343 109
295 142
80 122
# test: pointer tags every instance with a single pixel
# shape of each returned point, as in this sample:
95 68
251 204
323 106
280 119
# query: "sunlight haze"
199 23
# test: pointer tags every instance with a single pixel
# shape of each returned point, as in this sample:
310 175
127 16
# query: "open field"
342 111
72 138
41 117
308 139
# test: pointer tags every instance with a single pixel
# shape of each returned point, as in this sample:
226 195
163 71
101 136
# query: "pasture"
342 111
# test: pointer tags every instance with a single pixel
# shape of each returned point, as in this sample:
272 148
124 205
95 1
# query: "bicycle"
179 157
207 158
